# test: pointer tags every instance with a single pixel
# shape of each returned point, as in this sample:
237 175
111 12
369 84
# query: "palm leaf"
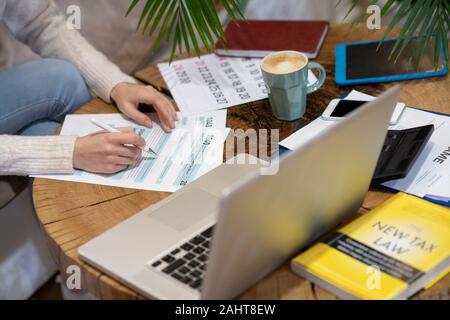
420 21
184 23
409 29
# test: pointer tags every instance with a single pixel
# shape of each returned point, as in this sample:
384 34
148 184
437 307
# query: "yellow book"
389 253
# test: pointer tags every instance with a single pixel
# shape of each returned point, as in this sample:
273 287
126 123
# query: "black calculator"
400 150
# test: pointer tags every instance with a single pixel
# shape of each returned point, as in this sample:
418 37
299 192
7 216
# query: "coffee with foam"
283 63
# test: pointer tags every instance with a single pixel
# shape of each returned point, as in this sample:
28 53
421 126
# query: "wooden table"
74 213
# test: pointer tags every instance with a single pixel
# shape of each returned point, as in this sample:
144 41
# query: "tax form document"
213 82
430 174
192 149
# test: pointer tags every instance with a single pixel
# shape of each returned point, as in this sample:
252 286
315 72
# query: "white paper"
213 82
428 176
361 96
440 190
305 134
193 148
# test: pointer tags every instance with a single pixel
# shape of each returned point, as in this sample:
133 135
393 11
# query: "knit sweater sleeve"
40 25
36 155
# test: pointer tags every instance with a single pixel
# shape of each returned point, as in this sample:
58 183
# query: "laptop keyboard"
187 263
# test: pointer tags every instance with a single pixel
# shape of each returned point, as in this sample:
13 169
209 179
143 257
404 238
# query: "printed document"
213 82
193 148
430 174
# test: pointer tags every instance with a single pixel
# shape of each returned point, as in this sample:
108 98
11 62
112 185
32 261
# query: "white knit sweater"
39 24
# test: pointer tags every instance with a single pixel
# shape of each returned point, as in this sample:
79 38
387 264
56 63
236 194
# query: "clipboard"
282 151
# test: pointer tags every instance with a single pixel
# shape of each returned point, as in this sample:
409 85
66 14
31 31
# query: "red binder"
258 38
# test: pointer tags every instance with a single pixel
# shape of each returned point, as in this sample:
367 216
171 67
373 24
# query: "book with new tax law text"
258 38
390 252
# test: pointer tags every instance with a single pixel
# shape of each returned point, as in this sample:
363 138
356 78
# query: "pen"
108 128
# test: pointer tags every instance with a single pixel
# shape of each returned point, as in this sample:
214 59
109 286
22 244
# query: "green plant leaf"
427 41
198 23
421 36
176 40
184 33
182 21
401 13
387 7
159 16
144 13
190 29
419 21
353 6
408 31
172 24
131 7
213 19
171 11
156 7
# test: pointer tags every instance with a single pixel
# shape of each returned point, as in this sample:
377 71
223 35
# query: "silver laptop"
231 227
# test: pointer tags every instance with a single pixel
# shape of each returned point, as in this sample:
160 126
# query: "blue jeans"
36 96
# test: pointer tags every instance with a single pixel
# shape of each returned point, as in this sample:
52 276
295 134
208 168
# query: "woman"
35 97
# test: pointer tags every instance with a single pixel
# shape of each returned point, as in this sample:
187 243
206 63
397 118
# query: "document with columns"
192 149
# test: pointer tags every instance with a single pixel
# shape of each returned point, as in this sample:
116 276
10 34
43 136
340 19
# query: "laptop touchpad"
186 209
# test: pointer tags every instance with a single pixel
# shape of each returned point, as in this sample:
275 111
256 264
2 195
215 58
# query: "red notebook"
258 38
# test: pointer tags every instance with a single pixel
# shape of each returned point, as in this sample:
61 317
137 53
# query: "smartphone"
370 62
337 109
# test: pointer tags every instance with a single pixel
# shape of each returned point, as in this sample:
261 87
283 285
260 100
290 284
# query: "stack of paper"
192 149
430 175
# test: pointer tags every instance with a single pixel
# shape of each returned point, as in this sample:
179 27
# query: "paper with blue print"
193 148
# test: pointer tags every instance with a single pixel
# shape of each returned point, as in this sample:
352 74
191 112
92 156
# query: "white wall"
300 10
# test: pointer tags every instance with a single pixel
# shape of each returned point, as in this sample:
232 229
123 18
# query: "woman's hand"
104 152
128 97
